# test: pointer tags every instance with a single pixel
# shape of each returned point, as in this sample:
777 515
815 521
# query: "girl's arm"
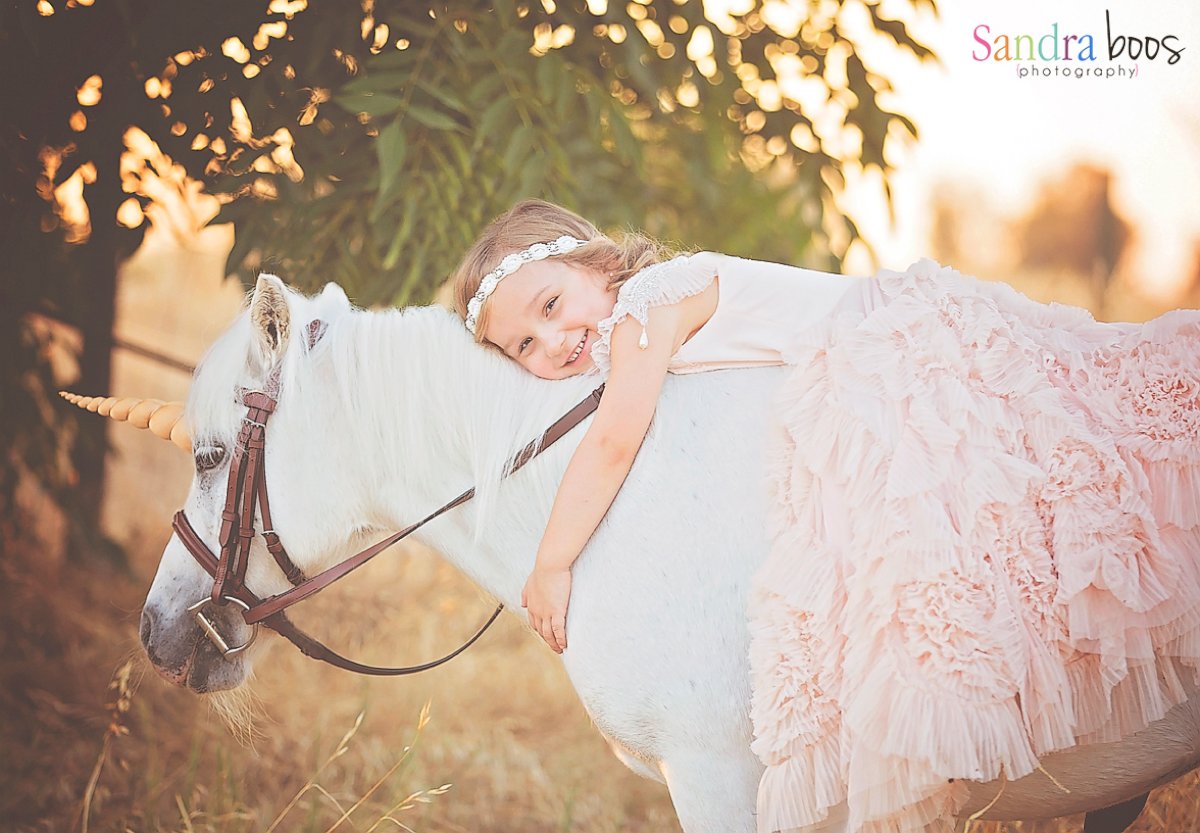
606 453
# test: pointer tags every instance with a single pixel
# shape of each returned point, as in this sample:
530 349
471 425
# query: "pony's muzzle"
210 629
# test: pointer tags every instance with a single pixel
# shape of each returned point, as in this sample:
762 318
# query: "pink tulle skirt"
985 527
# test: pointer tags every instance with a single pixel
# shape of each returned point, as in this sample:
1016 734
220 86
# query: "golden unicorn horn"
164 419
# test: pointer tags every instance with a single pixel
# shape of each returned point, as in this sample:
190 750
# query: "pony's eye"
209 457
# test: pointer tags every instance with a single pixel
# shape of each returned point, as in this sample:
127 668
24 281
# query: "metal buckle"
210 630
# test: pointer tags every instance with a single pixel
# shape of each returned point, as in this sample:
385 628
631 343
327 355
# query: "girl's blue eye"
550 304
524 343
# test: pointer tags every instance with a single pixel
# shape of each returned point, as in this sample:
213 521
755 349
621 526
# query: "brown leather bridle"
247 488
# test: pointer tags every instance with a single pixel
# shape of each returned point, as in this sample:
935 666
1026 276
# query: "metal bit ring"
210 629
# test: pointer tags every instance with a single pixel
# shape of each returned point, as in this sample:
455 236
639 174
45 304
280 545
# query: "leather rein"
247 488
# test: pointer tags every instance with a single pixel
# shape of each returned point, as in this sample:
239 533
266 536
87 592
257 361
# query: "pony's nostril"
146 630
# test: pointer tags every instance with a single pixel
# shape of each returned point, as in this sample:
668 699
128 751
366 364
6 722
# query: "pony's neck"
430 415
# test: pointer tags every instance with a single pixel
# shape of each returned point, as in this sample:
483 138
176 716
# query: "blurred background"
157 155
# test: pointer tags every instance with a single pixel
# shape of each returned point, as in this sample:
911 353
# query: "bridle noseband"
247 489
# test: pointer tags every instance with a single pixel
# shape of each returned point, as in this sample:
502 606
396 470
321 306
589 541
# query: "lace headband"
510 264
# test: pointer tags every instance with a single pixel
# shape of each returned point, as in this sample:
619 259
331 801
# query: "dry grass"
504 726
506 740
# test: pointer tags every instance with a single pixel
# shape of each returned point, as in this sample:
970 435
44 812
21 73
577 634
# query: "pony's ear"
335 296
331 303
270 318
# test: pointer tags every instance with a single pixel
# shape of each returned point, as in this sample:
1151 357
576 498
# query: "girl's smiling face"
544 317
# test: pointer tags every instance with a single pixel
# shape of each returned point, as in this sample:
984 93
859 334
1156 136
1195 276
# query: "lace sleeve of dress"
657 285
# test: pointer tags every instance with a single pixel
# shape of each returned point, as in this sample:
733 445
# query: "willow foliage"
415 123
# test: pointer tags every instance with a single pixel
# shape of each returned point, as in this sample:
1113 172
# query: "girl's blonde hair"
538 221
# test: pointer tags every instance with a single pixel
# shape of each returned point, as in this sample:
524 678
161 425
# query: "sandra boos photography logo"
1058 50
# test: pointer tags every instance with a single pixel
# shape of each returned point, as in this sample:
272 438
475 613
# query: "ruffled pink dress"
984 529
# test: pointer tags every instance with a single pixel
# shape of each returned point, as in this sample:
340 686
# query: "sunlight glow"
688 95
235 50
287 8
720 13
282 154
380 38
651 31
130 214
71 206
317 97
264 188
88 95
546 38
700 51
262 38
239 124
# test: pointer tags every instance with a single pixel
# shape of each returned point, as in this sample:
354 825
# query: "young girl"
985 512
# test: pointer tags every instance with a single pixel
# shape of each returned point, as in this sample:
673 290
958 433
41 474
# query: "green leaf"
444 97
487 88
515 42
373 104
548 69
243 244
448 185
393 58
390 150
622 136
377 82
458 148
566 94
401 235
520 146
432 118
533 175
494 118
407 294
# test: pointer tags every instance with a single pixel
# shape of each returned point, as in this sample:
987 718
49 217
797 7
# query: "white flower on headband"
511 263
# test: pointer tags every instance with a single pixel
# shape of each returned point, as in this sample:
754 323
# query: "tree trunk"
107 247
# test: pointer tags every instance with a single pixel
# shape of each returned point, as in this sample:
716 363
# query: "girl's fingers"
551 630
548 634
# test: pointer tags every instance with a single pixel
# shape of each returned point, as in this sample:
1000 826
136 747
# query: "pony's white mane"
411 383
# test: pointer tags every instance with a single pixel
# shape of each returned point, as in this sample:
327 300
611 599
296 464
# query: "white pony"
390 414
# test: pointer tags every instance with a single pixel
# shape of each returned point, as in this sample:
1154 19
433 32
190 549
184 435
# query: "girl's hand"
605 454
545 597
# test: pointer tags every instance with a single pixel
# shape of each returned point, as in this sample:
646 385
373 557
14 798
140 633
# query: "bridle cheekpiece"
246 496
